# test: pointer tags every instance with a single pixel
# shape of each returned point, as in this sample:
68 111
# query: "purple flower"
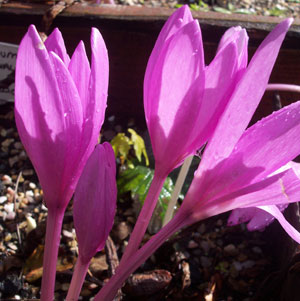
259 219
59 107
237 165
95 202
183 98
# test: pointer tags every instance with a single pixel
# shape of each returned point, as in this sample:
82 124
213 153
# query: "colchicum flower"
94 209
238 166
184 99
59 109
259 219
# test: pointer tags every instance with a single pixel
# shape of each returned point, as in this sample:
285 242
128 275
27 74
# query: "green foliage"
122 145
137 181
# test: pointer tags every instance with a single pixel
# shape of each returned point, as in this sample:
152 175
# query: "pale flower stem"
53 230
109 291
77 280
178 186
144 217
283 87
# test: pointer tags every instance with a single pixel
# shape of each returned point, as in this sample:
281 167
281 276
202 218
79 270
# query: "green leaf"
221 10
121 145
139 146
138 180
243 11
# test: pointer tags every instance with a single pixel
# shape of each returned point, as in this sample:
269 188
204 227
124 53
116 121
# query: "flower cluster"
60 104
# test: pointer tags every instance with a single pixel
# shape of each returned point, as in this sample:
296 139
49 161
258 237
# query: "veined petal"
39 113
220 80
290 230
80 70
175 22
95 201
244 99
55 43
262 149
282 188
240 37
71 135
176 93
258 219
96 102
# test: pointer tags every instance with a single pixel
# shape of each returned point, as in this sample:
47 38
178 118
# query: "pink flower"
237 167
259 219
95 202
183 98
59 107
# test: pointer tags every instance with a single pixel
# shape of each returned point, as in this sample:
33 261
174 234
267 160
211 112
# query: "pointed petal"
80 70
282 188
240 37
219 84
97 96
263 148
175 22
290 230
95 201
39 113
71 135
244 99
55 43
175 93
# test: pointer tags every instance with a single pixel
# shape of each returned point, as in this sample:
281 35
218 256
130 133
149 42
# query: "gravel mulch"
208 261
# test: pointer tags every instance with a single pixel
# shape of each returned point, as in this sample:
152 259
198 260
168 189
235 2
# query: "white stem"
283 87
178 186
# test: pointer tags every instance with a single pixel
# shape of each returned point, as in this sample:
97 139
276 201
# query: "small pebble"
7 142
67 234
18 145
6 180
205 261
13 160
3 199
257 250
231 250
12 246
9 207
192 244
201 229
65 287
32 185
28 172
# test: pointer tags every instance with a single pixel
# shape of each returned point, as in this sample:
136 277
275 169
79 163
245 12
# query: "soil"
281 8
207 261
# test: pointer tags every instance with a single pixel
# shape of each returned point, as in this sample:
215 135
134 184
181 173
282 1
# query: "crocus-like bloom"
259 219
95 201
237 165
59 107
183 99
94 210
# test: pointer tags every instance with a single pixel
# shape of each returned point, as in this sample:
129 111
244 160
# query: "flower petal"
55 43
262 149
71 135
244 99
176 92
80 70
95 201
290 230
220 81
282 188
39 113
175 22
